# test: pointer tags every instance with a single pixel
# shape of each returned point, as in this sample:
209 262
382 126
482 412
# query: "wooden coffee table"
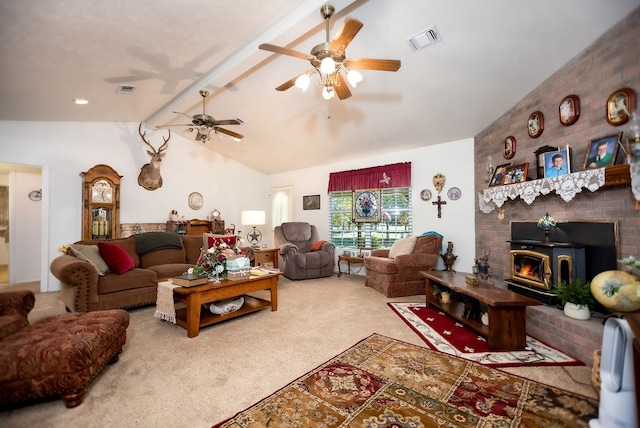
192 317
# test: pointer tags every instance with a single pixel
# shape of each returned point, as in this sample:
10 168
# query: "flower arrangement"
547 221
214 260
632 263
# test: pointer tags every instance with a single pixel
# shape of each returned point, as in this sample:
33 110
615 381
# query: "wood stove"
577 250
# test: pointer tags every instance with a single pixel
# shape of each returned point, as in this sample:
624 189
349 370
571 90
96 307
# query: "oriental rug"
384 382
445 334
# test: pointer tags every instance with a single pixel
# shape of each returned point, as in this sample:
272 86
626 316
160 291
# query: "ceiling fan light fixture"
328 93
354 77
327 65
302 81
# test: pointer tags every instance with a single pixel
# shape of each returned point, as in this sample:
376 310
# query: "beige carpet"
164 379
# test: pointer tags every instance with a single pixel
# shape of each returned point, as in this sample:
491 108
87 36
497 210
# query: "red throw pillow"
116 257
316 245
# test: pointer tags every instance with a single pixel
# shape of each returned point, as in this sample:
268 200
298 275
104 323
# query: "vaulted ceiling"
492 54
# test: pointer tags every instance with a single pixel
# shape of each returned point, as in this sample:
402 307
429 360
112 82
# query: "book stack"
189 280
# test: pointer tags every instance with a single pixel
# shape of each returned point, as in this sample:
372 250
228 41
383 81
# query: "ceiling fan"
204 124
328 60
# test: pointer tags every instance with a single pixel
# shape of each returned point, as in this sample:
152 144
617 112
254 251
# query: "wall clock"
366 205
535 124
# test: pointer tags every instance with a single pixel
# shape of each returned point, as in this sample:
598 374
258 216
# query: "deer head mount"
149 176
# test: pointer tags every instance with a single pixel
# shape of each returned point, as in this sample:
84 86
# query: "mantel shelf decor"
567 186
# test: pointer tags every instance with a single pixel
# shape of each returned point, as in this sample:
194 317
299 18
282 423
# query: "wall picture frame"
498 175
311 202
366 206
509 147
569 110
535 124
517 173
620 104
558 163
365 252
602 152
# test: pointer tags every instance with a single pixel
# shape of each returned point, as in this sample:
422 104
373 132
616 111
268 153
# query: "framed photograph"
619 106
311 202
516 173
557 164
602 152
535 124
366 205
509 147
498 175
365 252
569 110
539 154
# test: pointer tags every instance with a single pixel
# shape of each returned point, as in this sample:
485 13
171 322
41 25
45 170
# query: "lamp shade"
252 218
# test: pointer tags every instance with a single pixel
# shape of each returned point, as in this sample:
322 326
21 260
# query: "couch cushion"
162 257
169 270
91 254
153 241
135 278
402 247
380 264
192 245
128 244
427 244
118 259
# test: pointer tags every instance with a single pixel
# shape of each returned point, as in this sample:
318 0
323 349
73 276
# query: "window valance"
384 176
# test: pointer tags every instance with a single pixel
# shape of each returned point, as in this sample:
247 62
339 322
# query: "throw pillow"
91 254
116 257
316 245
402 247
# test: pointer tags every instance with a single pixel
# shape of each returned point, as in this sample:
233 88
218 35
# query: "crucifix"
439 203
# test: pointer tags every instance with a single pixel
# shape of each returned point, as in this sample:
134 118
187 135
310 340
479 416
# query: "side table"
266 255
349 260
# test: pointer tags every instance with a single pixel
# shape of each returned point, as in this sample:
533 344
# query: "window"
281 205
396 220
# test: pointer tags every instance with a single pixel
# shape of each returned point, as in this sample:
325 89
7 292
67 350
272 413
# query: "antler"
162 147
166 143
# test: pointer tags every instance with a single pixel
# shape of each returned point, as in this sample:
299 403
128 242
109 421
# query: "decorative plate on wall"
454 193
535 124
195 201
425 195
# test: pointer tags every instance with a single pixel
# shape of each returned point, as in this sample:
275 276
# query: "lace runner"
567 186
165 308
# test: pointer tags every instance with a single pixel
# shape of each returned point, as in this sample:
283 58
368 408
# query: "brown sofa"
57 356
82 289
400 276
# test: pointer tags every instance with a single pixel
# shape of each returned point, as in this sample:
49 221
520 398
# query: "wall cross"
439 203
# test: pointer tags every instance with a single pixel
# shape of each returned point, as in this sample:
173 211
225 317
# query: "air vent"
423 39
126 89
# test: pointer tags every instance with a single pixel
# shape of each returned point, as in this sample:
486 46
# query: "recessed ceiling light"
80 101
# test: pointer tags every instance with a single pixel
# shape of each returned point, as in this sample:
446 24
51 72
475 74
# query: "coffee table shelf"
251 304
455 310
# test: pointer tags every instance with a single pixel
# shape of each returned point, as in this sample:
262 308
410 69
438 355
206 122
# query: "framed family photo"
311 202
602 152
514 174
619 106
498 175
557 164
509 147
569 110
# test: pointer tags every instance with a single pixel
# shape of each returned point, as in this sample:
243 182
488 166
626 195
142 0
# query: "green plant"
577 292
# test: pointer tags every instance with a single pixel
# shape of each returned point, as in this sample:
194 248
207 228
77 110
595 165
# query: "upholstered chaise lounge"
302 255
395 272
56 356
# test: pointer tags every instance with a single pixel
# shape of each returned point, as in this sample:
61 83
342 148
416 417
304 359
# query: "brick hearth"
576 338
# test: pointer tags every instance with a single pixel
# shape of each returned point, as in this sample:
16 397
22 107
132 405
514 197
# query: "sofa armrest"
17 303
382 252
425 261
73 272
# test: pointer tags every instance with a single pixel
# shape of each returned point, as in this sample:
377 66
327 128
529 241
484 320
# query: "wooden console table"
507 329
193 317
349 260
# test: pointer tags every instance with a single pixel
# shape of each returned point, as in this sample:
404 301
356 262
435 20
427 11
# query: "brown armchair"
301 253
399 275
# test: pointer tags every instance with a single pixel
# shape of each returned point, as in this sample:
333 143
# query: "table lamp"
253 218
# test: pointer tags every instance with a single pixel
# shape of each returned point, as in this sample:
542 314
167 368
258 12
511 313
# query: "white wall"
453 159
65 149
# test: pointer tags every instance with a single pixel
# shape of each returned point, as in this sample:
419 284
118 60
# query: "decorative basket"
238 274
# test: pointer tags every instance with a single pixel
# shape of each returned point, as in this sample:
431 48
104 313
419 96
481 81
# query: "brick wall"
612 62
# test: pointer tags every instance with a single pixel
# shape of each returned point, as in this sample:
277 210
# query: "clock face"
366 206
102 192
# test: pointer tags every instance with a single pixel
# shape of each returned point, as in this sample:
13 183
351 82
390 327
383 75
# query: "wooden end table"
193 317
507 329
349 260
266 255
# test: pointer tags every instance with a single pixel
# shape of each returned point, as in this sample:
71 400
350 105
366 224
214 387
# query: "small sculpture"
484 270
448 258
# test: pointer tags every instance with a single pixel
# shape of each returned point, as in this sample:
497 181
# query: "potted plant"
445 293
576 297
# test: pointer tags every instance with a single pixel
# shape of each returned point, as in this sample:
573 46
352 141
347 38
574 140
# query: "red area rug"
383 382
445 334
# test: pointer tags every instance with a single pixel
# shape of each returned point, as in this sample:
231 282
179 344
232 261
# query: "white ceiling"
492 53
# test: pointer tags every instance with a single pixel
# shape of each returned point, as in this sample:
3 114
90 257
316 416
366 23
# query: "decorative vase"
578 312
547 232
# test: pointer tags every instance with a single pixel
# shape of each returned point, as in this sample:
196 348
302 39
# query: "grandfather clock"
100 203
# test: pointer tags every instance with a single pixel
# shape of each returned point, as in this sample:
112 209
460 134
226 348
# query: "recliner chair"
302 255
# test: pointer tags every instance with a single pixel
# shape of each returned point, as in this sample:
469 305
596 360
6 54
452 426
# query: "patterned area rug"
443 333
383 382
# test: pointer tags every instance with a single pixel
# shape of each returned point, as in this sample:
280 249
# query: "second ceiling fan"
329 60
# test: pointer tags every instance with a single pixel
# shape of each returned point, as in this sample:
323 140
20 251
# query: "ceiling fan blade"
345 35
230 133
341 88
184 114
284 51
373 64
288 84
236 121
177 124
